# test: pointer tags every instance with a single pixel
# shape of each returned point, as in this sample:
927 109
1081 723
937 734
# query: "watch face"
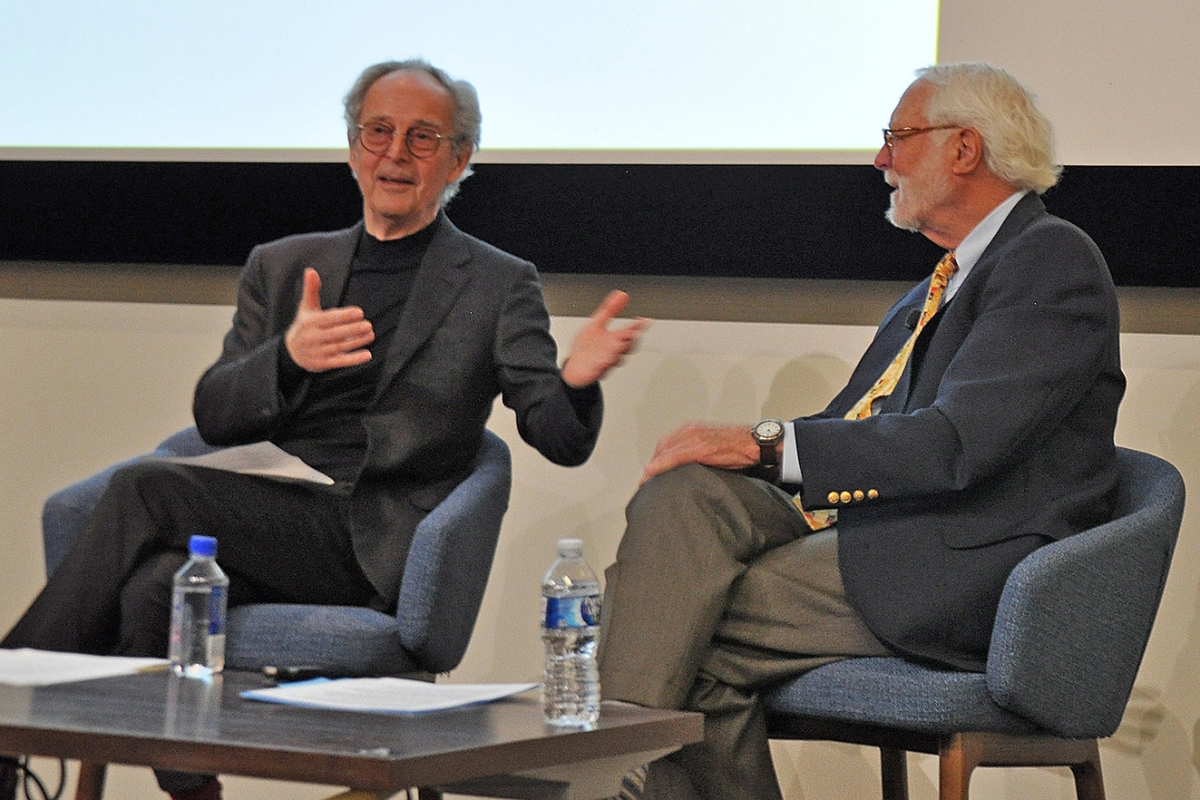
768 429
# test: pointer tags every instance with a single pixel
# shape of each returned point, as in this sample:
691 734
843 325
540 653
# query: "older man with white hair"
977 427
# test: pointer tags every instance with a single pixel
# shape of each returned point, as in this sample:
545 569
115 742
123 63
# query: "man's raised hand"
597 348
323 339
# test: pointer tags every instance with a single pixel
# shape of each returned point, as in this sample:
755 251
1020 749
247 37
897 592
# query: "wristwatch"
768 433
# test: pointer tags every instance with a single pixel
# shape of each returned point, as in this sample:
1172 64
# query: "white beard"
916 196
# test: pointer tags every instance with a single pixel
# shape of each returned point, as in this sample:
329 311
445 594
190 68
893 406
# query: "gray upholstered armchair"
1072 627
443 584
440 594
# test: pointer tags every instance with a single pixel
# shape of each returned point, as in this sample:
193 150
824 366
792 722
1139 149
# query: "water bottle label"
573 612
216 611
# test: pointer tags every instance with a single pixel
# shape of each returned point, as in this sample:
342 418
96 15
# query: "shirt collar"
971 248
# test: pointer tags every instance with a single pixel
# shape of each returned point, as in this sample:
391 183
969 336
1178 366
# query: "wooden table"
499 749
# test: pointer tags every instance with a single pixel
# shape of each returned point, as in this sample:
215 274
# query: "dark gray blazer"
475 327
998 439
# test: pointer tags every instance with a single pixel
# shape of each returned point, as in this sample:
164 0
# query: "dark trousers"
278 542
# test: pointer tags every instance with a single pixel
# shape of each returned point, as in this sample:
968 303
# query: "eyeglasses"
377 138
893 135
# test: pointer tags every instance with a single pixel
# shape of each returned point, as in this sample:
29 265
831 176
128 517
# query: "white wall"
85 384
1118 77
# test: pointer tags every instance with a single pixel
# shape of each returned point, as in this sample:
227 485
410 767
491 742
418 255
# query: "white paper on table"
29 667
260 458
386 695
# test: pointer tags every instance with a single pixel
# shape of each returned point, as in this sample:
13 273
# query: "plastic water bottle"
197 648
570 625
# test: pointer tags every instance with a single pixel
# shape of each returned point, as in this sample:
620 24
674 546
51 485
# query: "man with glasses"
374 354
977 426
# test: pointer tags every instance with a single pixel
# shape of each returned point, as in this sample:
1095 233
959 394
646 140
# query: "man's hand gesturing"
324 339
597 347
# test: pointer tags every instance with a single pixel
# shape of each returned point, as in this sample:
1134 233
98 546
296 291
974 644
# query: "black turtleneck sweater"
326 429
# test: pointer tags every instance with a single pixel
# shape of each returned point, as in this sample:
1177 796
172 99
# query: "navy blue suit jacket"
998 439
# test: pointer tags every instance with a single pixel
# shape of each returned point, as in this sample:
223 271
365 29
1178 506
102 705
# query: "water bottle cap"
570 547
205 546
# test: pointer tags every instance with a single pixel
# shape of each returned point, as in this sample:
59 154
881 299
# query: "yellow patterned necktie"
886 384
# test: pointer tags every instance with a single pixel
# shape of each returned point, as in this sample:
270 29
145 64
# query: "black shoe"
10 776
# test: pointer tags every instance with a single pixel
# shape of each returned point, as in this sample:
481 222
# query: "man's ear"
352 156
969 155
462 159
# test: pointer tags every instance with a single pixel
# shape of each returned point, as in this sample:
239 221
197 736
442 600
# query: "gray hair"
1018 139
467 119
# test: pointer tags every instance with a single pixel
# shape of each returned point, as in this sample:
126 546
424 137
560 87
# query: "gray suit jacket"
999 439
475 327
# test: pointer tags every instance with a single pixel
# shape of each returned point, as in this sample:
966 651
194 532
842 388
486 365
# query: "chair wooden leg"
90 785
893 767
957 759
1089 780
961 753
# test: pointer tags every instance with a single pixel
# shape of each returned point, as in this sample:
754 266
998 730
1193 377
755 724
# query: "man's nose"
883 159
398 148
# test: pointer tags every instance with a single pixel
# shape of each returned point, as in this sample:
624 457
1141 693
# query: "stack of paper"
386 695
27 667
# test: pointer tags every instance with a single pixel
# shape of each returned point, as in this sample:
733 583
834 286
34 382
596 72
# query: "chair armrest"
1076 614
65 512
186 442
450 560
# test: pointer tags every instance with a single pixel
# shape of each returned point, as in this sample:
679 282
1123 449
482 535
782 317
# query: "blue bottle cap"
205 546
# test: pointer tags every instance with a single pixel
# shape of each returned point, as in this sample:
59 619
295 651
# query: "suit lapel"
898 400
336 272
436 287
1028 208
908 314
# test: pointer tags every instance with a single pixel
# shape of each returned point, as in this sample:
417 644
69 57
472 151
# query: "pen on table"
288 674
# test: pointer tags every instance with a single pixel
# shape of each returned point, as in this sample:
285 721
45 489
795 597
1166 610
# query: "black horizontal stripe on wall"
776 221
